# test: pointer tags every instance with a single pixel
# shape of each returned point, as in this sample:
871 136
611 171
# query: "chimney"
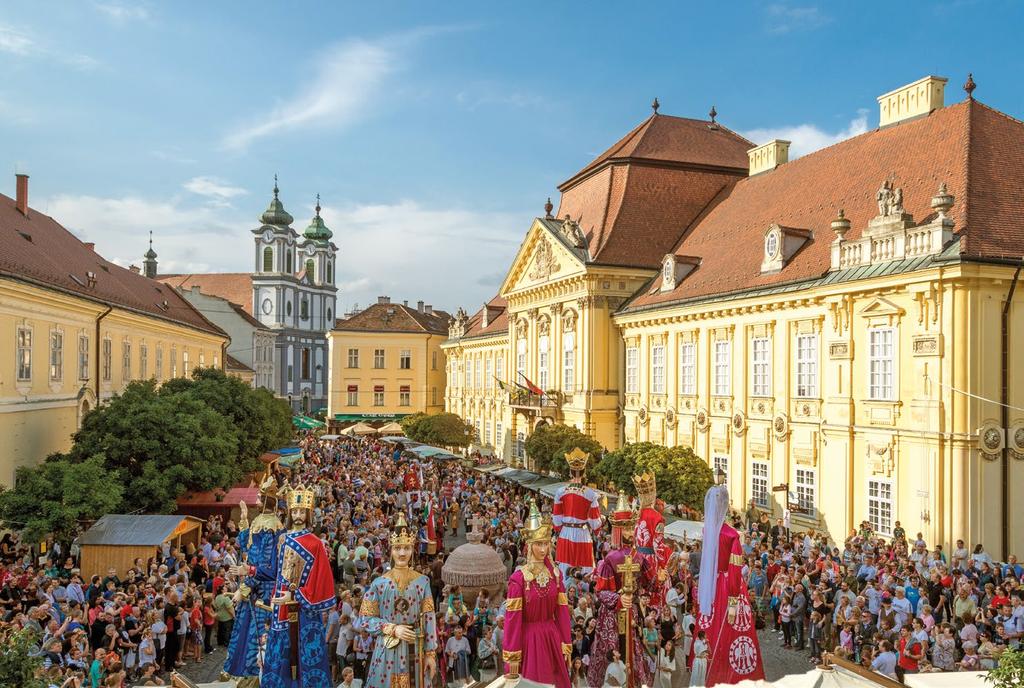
419 306
383 299
428 309
21 196
910 101
485 317
768 156
134 269
405 303
91 246
196 289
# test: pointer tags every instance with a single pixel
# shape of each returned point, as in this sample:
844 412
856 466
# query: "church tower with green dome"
294 293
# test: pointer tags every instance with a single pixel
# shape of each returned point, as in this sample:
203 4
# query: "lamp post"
720 476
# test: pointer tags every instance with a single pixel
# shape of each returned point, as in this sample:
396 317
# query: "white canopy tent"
681 530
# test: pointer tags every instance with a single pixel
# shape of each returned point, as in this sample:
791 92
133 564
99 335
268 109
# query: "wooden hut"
117 540
217 502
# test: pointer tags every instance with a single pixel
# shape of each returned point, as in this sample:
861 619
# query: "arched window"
288 309
311 270
304 308
268 259
288 263
329 321
330 274
568 362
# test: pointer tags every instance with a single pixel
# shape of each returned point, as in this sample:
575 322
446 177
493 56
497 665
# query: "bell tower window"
330 274
268 259
288 264
310 270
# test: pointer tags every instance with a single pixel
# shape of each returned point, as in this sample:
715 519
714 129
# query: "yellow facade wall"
41 406
424 378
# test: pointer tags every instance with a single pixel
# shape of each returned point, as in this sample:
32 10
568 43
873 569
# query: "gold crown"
646 488
401 534
577 460
301 498
536 528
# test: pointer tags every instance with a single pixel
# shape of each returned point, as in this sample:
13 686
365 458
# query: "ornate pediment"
544 262
543 257
882 311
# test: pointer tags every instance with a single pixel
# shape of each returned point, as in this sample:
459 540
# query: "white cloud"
214 188
121 13
345 80
407 250
784 18
14 41
807 138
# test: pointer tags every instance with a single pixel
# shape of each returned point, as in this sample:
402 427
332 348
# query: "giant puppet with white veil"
725 613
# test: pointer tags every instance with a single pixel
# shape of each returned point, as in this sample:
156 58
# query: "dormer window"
668 272
674 269
781 244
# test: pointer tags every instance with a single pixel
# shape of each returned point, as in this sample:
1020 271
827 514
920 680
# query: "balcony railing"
529 400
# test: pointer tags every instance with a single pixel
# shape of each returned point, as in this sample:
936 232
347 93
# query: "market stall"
117 540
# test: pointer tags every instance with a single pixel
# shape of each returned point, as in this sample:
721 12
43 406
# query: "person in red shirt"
910 651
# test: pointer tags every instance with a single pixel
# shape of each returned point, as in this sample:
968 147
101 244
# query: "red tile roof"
636 199
235 287
232 363
976 151
395 317
39 250
497 323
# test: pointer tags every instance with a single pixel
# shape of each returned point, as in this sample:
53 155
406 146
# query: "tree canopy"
439 429
549 444
19 660
682 476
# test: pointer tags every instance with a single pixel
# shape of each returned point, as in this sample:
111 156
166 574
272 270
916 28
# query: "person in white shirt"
344 646
349 680
901 605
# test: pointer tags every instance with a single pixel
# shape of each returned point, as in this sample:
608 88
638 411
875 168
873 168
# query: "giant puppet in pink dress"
724 610
538 641
576 515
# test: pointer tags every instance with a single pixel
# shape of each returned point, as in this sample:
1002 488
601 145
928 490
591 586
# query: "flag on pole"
530 386
501 385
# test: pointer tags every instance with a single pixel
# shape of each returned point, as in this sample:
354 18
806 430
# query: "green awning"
367 417
306 423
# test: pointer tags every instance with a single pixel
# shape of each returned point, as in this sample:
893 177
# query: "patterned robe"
606 637
649 537
538 627
259 543
735 651
314 595
397 597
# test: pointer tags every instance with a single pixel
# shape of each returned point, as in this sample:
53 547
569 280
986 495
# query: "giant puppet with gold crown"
296 655
649 535
398 611
537 642
576 515
623 576
724 610
258 544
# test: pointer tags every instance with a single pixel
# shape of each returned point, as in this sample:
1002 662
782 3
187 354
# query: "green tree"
19 663
549 444
411 426
259 420
682 476
55 496
160 445
439 429
1010 672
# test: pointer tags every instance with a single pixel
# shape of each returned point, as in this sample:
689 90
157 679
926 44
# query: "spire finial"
969 86
151 239
275 185
712 114
318 205
548 207
655 105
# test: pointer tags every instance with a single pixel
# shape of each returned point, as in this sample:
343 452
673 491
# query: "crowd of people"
893 604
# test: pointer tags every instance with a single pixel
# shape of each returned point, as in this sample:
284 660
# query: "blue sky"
433 131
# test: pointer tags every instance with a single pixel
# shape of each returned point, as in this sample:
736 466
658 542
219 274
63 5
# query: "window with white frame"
658 369
499 367
807 366
378 396
404 396
543 359
632 361
126 360
83 357
568 362
56 355
433 396
159 368
806 491
143 361
378 358
479 378
487 433
498 436
759 483
202 359
405 359
722 464
24 355
353 395
688 368
174 362
880 506
520 359
186 371
488 373
519 450
762 366
353 358
477 430
469 373
723 381
881 363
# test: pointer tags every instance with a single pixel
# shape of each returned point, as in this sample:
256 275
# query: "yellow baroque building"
75 329
839 333
386 362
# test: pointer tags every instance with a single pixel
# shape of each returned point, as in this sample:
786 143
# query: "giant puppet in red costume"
725 613
649 535
576 515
